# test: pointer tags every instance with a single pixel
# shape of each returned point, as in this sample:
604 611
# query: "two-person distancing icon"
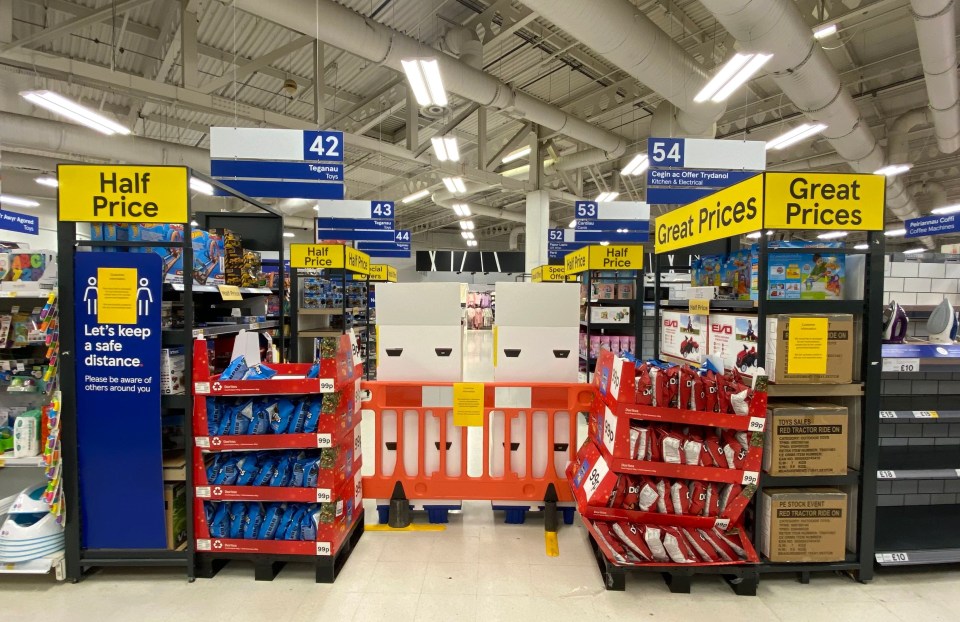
144 297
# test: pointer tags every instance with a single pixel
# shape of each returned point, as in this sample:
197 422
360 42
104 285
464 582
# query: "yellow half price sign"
230 292
123 193
807 345
619 257
699 306
323 256
468 403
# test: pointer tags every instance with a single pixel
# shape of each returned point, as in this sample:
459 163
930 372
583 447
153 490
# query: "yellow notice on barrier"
468 403
322 256
731 211
123 193
823 201
116 295
612 257
230 292
807 345
699 306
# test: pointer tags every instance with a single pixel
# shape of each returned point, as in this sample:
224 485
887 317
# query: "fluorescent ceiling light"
832 235
754 236
861 247
604 197
198 185
455 185
446 148
287 234
516 155
7 199
604 243
424 78
801 132
70 109
637 165
461 209
467 225
573 224
893 169
50 182
472 242
410 198
731 76
895 233
948 209
467 235
914 251
824 32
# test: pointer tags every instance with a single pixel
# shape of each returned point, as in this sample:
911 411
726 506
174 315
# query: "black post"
66 241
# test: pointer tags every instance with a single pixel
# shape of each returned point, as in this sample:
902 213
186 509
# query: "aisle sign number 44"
123 193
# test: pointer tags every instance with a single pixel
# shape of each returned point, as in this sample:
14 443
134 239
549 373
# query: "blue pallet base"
436 514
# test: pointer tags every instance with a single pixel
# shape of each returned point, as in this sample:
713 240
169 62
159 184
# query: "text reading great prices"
823 201
146 194
732 211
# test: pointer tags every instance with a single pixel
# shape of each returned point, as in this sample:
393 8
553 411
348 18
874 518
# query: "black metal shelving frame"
868 312
78 559
635 304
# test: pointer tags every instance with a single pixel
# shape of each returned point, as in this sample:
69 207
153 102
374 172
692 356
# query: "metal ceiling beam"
242 70
71 25
189 74
77 10
450 125
518 139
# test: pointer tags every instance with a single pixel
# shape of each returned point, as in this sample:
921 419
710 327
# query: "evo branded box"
805 439
803 524
840 344
734 339
683 336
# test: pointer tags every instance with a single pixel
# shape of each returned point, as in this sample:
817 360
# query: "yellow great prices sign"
612 257
123 193
333 256
731 211
823 201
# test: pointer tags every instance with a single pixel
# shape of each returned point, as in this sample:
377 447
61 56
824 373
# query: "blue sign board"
355 223
690 178
385 249
21 223
118 400
323 146
558 250
612 225
665 152
257 169
934 224
677 196
611 236
374 235
282 189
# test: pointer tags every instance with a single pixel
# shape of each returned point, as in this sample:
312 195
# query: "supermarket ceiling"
579 83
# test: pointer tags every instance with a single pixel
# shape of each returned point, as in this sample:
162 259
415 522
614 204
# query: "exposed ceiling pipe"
805 75
620 32
936 191
515 237
482 210
898 150
350 31
937 37
814 163
465 45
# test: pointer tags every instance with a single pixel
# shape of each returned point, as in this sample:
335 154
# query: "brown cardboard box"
840 342
805 439
803 524
175 507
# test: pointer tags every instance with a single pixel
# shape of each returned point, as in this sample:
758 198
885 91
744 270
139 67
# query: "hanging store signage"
824 201
560 243
333 256
118 309
611 210
355 223
681 186
548 274
397 250
20 223
380 272
733 211
933 224
612 257
372 235
744 155
278 163
361 210
122 193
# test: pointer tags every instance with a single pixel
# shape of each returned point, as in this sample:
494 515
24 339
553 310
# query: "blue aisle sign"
118 308
375 235
934 224
611 225
560 242
355 223
254 169
687 178
625 236
674 178
282 189
21 223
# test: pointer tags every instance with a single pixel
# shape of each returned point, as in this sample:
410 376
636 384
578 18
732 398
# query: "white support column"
535 230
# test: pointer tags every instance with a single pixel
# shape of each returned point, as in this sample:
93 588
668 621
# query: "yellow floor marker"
553 547
407 528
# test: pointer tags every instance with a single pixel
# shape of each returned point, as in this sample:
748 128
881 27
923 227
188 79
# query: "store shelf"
213 289
920 462
32 294
135 557
851 478
739 305
615 302
918 534
849 563
333 332
337 311
814 306
608 325
926 416
7 460
920 356
181 401
815 390
174 336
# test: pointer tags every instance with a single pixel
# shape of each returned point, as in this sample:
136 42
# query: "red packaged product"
648 495
723 395
618 493
664 501
687 380
710 391
631 494
698 394
726 553
632 539
671 445
680 496
644 386
677 547
698 497
654 447
712 456
725 539
712 500
665 385
619 552
639 443
693 451
734 449
653 536
728 494
700 544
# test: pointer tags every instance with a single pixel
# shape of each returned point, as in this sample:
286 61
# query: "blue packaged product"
214 467
280 419
214 415
312 420
271 521
209 510
298 418
308 524
259 372
243 418
299 469
314 371
253 521
281 475
261 420
288 513
247 469
236 369
293 528
311 473
238 512
227 476
227 419
220 523
267 469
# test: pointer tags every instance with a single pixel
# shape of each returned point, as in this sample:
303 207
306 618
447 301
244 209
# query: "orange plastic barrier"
417 444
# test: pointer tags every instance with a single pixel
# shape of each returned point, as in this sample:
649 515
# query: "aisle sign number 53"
665 151
323 146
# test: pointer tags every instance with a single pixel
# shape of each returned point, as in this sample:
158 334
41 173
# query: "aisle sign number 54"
666 151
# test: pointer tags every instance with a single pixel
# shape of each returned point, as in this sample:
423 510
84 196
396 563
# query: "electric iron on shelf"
943 323
894 323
